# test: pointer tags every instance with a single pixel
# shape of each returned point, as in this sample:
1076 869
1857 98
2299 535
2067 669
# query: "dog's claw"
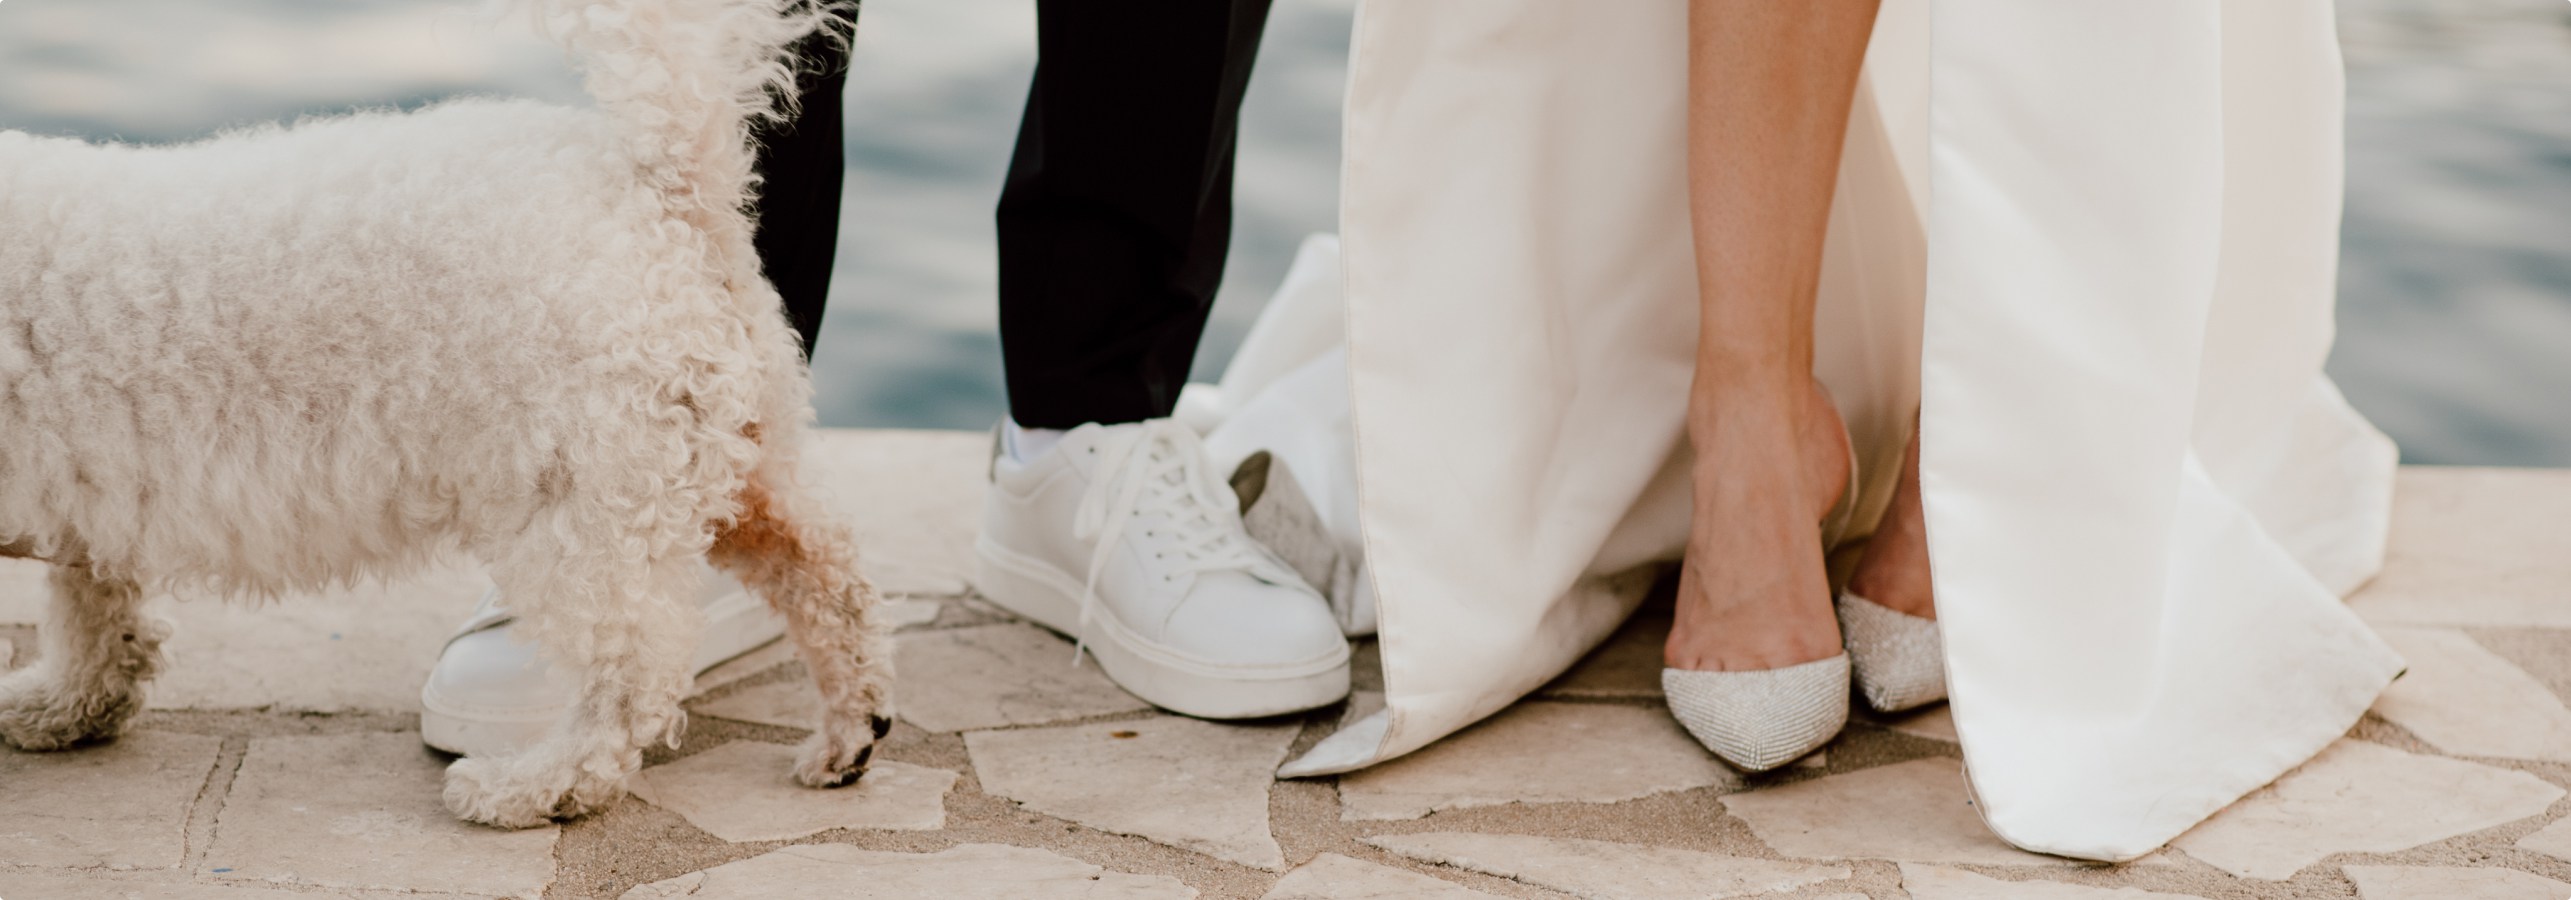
828 763
849 777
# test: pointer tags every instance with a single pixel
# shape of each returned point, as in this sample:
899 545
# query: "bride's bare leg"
1769 89
1894 572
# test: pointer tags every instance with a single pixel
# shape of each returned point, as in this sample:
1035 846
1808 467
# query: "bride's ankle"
1894 572
1759 438
1907 593
1828 456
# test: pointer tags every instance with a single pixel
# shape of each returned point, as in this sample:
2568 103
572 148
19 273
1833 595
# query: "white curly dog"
291 358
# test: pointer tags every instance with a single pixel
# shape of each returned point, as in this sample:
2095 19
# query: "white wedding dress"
2092 243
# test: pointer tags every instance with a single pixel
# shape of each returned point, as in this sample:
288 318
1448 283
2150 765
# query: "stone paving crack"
203 812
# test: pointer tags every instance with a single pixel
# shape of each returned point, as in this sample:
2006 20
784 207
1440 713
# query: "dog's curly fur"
294 357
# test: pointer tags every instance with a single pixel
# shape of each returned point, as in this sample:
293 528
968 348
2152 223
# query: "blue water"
2455 328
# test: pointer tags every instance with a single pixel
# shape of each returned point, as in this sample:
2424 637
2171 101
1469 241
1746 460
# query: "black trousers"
797 210
1118 210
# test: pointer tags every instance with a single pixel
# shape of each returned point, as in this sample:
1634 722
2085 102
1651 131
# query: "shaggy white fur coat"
293 357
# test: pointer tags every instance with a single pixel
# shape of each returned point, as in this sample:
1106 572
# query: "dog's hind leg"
98 650
806 568
625 625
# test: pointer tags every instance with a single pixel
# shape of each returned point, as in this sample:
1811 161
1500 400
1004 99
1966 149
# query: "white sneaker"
490 695
1122 537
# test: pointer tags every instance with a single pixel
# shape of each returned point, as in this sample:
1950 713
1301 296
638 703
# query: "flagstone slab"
903 613
1187 783
2465 700
898 614
93 884
961 872
1358 706
744 791
1914 811
1926 882
758 661
362 649
1538 752
2473 547
792 703
122 804
961 679
2361 797
991 676
914 499
2445 883
1606 870
2552 840
1627 665
1331 876
365 649
1937 723
364 811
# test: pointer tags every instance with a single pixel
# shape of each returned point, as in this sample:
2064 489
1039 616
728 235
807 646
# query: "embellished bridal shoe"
1759 720
1899 659
1762 719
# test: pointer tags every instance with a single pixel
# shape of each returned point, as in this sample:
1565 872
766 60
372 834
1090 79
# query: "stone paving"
280 758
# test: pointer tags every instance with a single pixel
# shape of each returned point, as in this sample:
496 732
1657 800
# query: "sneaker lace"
1160 469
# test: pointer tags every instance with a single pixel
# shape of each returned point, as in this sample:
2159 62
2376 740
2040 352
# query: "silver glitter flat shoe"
1899 658
1762 719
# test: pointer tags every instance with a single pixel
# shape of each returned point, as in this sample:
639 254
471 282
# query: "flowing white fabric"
2092 243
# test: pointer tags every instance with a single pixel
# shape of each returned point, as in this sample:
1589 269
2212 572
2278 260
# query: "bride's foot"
1894 571
1889 610
1754 591
1755 670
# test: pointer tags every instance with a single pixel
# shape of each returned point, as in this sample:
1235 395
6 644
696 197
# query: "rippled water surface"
2455 327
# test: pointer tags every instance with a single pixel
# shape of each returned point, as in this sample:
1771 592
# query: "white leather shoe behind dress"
1899 659
490 695
1279 515
1122 537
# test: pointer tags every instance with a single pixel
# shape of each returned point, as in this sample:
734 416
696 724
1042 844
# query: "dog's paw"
481 791
506 793
37 715
837 757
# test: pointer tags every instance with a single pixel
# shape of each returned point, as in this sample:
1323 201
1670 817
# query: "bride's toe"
1759 720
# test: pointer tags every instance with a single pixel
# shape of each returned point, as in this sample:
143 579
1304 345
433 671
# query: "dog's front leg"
631 638
99 649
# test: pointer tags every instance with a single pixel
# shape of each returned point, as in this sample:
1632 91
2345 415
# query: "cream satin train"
2092 243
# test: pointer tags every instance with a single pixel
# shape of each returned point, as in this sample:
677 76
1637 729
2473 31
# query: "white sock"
1025 443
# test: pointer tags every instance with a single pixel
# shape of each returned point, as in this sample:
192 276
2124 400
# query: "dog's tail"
688 80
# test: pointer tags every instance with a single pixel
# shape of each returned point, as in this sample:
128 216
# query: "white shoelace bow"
1159 470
